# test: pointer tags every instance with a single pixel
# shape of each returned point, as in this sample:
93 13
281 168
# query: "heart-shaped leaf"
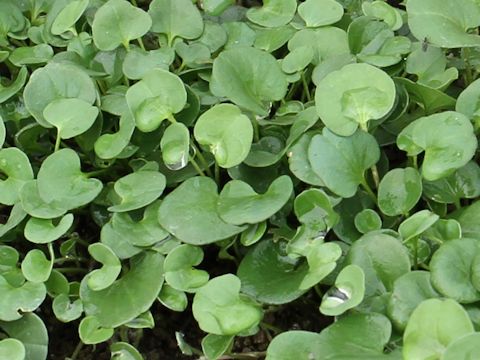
399 191
102 278
179 271
315 209
273 13
36 267
53 82
43 231
249 77
173 299
71 117
444 23
117 22
17 300
133 294
347 293
73 189
92 332
17 169
156 97
321 260
341 161
35 206
449 320
352 96
194 202
65 310
317 13
227 132
384 11
138 62
215 304
109 146
138 189
447 139
176 18
239 203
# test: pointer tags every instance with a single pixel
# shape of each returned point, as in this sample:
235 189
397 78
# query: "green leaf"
447 139
156 97
43 231
463 348
53 82
32 332
138 62
299 162
249 77
194 202
269 275
102 278
417 224
384 11
74 188
71 117
214 346
238 203
35 206
176 18
12 349
315 209
368 220
253 234
382 258
321 260
17 300
347 293
124 351
399 191
468 218
444 23
273 13
449 320
352 96
297 59
454 270
117 22
227 132
317 13
173 299
341 161
66 310
179 271
7 92
15 165
37 54
109 146
131 295
409 290
70 14
464 183
2 132
92 332
216 7
36 267
215 305
138 189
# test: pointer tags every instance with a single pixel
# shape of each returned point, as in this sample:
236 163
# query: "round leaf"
315 209
273 13
248 77
179 271
352 96
43 231
173 299
399 191
15 165
65 310
91 332
320 12
159 95
117 22
238 203
36 267
194 202
227 132
175 146
216 305
12 349
367 220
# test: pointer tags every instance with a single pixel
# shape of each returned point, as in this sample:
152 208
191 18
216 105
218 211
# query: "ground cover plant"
220 179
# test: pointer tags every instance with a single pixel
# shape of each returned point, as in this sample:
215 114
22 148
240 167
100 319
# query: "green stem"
468 67
202 159
196 167
256 131
57 141
77 350
415 161
140 43
376 177
369 190
305 87
415 253
217 173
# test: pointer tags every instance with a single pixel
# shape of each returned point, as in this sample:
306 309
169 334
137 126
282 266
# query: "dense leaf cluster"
319 146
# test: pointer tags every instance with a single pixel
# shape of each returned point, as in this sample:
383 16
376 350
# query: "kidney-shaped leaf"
315 209
352 96
444 23
36 267
273 13
447 139
117 22
399 191
156 97
320 12
73 189
249 77
127 297
17 300
239 203
15 166
341 161
104 277
43 231
449 320
227 132
220 309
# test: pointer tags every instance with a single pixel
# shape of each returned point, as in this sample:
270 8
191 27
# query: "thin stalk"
376 177
217 173
77 350
57 141
468 67
369 190
196 167
202 159
305 87
415 253
140 42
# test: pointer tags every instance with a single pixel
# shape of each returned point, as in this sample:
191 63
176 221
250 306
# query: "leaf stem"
140 42
77 350
201 158
217 173
305 87
197 168
57 141
376 177
468 67
369 190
